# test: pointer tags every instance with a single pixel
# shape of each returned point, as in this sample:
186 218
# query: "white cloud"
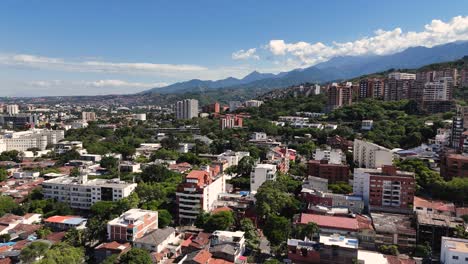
40 62
381 43
120 83
245 54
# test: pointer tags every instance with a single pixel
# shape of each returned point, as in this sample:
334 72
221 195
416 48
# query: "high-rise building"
30 139
253 103
88 116
12 109
438 90
371 88
230 121
186 109
402 76
332 172
386 188
397 89
260 174
198 193
339 95
212 108
19 120
369 155
456 132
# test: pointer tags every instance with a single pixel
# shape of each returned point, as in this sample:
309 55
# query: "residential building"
186 109
19 120
371 88
232 158
88 116
81 193
385 189
316 183
65 146
129 166
433 206
330 249
332 172
367 124
253 103
259 136
397 89
453 250
339 95
234 105
198 194
105 250
456 131
211 108
132 225
333 156
156 240
453 165
228 245
230 121
369 155
139 117
432 227
12 109
438 90
260 174
62 223
394 229
402 76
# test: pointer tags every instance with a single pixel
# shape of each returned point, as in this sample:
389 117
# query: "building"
65 146
332 172
432 227
234 105
62 223
105 250
333 156
339 95
212 108
38 139
433 206
81 193
132 224
453 165
394 229
456 131
88 116
367 124
369 155
385 189
232 158
402 76
12 109
371 88
198 194
440 89
330 249
139 117
230 121
453 250
259 136
19 120
253 103
227 245
156 240
260 174
316 183
186 109
397 89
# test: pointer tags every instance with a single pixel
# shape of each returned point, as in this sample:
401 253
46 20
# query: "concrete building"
259 136
369 155
385 189
230 121
132 224
453 250
234 105
371 88
316 183
139 117
232 158
402 76
367 124
397 89
81 193
12 109
438 90
105 250
339 95
156 240
65 146
33 138
333 156
186 109
198 194
19 120
260 174
62 223
227 245
88 116
212 108
394 229
456 131
432 227
332 172
253 103
453 165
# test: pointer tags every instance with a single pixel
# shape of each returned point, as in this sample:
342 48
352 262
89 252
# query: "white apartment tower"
260 174
186 109
369 155
12 109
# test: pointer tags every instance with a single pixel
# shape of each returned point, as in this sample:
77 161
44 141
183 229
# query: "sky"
89 47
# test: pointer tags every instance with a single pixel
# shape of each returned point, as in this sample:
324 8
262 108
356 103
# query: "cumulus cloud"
382 42
98 83
40 62
245 54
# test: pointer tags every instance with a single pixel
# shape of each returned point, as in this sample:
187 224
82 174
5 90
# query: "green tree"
245 165
251 234
5 238
136 256
3 174
75 237
7 205
219 221
340 188
277 229
33 251
164 218
310 230
63 253
109 162
389 250
43 232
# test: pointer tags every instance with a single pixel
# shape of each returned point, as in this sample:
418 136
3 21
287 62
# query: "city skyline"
106 48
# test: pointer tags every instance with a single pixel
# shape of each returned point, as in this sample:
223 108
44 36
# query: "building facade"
132 224
186 109
369 155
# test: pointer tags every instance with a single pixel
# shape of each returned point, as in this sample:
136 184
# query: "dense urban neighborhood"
367 170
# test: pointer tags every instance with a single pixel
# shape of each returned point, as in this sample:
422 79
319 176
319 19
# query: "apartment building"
186 109
228 245
402 76
453 250
332 172
81 193
433 227
397 89
12 109
453 165
385 189
33 138
19 120
260 174
88 116
371 88
132 224
212 108
333 156
253 103
440 89
230 121
339 95
198 193
64 146
369 155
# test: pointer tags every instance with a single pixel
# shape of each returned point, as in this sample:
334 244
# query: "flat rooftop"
456 244
392 223
438 220
94 182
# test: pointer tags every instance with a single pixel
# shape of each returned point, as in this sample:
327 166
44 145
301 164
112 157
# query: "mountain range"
338 68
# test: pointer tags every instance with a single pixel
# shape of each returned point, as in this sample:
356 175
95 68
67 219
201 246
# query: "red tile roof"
55 237
116 246
202 257
5 261
434 204
325 221
462 211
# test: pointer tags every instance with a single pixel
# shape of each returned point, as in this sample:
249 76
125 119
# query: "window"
454 257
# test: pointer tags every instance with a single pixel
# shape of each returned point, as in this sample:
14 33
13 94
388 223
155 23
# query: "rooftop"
434 204
133 216
338 240
455 244
392 223
438 220
156 237
94 182
325 221
67 219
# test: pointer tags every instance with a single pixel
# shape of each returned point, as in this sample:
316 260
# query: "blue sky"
102 47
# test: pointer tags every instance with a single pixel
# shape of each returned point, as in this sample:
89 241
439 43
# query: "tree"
310 230
136 256
112 259
277 229
245 165
43 232
63 253
3 174
272 261
5 238
164 218
389 250
423 251
75 237
251 234
340 188
219 221
165 154
157 173
33 251
273 199
7 205
109 162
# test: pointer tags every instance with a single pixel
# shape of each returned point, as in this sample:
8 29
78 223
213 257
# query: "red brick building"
453 165
211 108
332 172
